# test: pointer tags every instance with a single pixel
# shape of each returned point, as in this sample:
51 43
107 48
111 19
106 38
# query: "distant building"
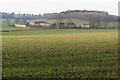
65 25
61 25
73 26
20 25
84 25
38 23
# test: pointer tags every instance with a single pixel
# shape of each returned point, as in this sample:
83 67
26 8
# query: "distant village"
43 24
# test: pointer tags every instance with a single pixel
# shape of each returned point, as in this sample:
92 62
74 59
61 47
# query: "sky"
51 6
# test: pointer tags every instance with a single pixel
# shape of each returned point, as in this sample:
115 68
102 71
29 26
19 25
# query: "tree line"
70 14
19 16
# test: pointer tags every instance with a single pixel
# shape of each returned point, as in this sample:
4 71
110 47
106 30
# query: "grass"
65 53
14 28
69 20
54 31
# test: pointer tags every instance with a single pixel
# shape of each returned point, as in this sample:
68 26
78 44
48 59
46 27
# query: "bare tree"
6 22
95 21
59 19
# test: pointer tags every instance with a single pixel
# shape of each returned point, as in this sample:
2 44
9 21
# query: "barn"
39 23
20 25
86 26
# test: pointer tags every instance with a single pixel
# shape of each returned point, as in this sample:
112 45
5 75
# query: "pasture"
62 53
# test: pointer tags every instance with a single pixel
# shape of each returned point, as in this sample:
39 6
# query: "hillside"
82 15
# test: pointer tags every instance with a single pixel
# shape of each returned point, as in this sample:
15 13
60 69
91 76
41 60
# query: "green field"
60 53
15 28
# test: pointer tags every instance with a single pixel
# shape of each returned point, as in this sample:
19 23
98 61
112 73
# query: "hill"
82 15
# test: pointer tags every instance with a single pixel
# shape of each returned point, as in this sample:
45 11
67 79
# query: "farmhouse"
73 26
61 25
39 23
84 25
65 25
20 25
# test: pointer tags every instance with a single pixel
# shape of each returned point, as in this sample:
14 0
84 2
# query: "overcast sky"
50 6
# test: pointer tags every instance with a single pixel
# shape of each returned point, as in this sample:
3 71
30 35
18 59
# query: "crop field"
60 53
